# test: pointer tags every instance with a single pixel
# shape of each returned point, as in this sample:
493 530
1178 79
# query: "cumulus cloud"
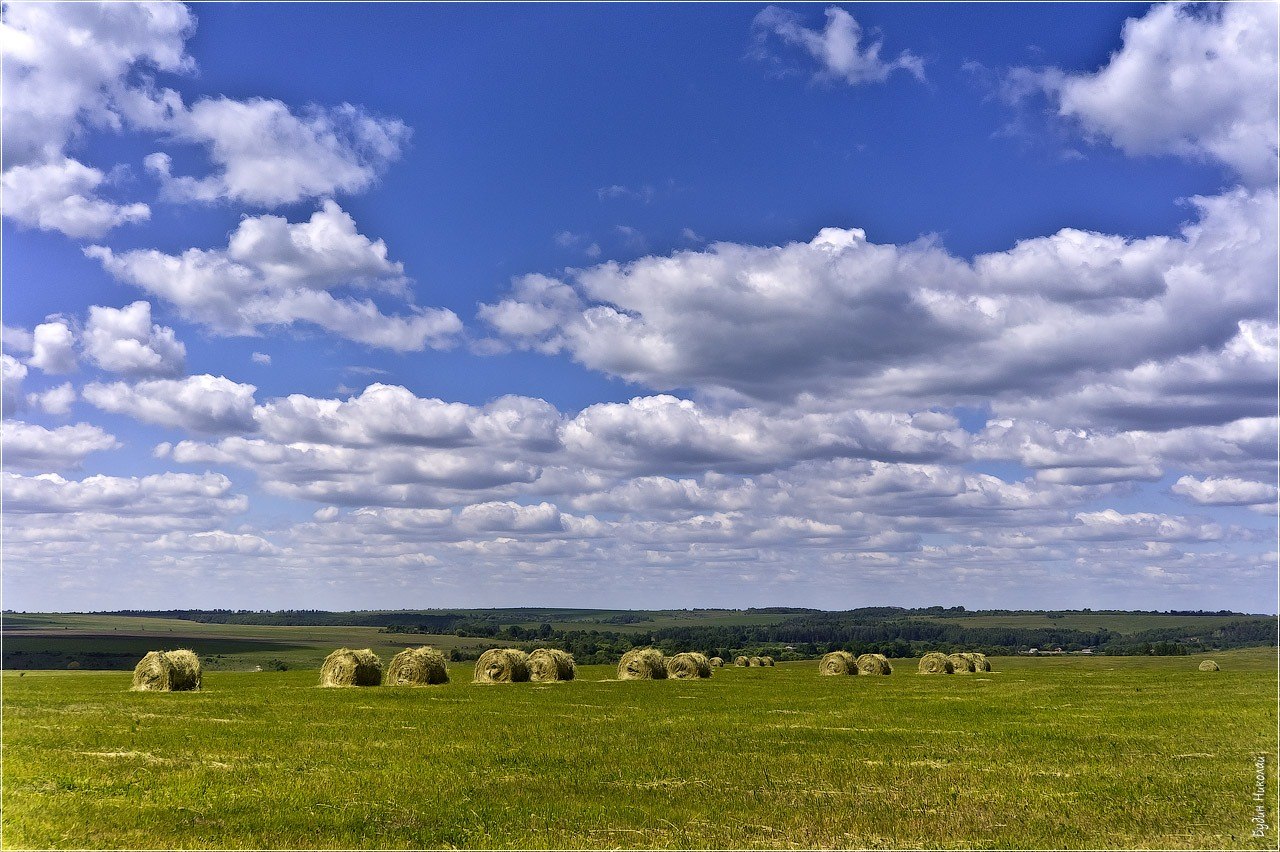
204 404
28 446
72 68
839 48
17 340
1190 80
158 495
60 196
275 273
1228 491
64 61
841 317
124 340
53 348
265 154
55 400
14 373
63 64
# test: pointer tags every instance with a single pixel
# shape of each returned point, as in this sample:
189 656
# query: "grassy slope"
51 640
1067 752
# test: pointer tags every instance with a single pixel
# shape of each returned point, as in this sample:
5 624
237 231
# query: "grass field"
1065 752
105 641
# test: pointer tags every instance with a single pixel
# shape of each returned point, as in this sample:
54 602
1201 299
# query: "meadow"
1067 752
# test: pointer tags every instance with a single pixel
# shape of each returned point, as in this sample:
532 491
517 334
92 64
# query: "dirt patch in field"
127 755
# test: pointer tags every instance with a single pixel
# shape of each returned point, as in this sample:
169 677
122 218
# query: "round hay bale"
874 664
642 664
167 671
935 663
74 664
688 666
417 667
1209 666
345 667
755 662
960 663
766 661
981 663
838 663
502 665
716 662
551 664
741 662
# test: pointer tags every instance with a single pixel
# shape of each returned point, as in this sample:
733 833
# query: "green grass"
1060 753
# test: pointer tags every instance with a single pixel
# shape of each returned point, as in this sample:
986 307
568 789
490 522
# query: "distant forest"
798 634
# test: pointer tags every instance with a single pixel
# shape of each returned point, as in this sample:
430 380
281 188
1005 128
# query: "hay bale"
345 667
874 664
960 664
935 662
167 671
417 667
716 662
687 666
502 665
838 663
981 663
1209 666
755 662
642 664
741 662
766 661
551 664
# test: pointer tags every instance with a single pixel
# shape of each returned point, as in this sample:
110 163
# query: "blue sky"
654 305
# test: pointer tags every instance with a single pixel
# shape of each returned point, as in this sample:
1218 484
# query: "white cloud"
217 542
28 446
644 193
14 373
203 403
1109 525
261 358
266 154
842 318
63 64
60 196
276 273
124 340
161 495
838 47
1191 80
53 348
1228 491
55 400
17 340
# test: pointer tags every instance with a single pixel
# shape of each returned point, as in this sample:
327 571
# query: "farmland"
1072 752
244 641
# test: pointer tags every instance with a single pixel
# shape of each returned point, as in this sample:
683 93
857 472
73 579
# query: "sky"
347 306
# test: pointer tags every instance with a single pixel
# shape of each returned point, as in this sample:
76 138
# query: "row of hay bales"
650 664
426 666
844 663
175 671
936 662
